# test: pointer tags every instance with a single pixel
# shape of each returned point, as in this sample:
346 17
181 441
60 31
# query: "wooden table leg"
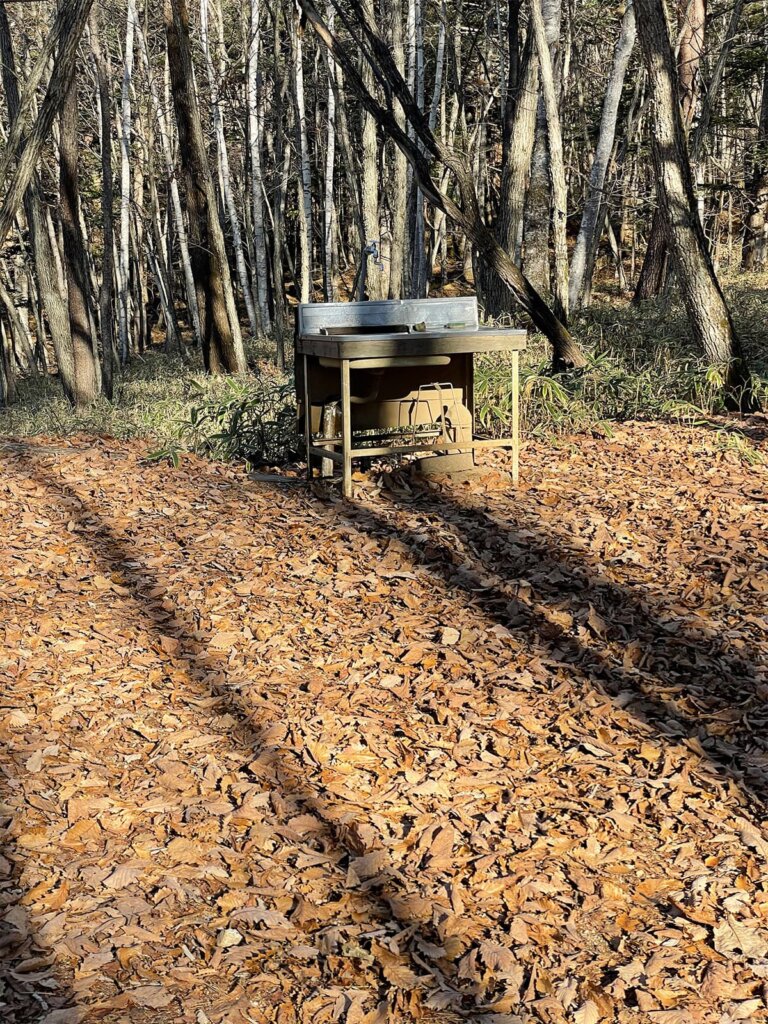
470 398
515 417
307 418
346 430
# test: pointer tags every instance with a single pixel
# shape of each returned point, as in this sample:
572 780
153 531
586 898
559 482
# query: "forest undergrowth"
642 366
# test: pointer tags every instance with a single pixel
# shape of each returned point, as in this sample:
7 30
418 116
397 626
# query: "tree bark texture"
67 32
257 185
174 196
708 312
398 195
51 296
755 246
106 306
692 24
559 188
228 194
538 203
583 263
306 233
222 342
85 382
517 150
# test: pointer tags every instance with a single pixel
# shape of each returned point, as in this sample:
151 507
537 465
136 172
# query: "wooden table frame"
340 350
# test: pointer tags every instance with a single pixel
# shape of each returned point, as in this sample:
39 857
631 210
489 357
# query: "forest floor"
445 752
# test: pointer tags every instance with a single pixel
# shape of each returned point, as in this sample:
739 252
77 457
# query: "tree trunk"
583 263
19 330
222 341
518 140
556 162
37 215
708 312
228 195
257 185
466 213
755 248
692 20
61 46
305 181
539 199
398 196
513 78
282 161
106 312
693 15
175 198
351 166
67 32
7 373
418 234
330 159
377 283
160 269
713 86
124 264
653 272
85 384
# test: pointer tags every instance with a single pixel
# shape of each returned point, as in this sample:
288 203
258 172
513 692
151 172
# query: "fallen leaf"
735 939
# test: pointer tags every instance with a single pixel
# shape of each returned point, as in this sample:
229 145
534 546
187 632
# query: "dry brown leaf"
122 876
154 997
440 856
396 969
735 939
228 937
587 1013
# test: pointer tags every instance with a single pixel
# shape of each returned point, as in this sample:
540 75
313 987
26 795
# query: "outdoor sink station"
397 377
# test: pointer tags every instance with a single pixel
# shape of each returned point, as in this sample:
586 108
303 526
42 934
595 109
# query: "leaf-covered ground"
440 753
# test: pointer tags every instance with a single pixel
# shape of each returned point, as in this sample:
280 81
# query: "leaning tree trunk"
68 30
466 213
86 385
712 92
583 263
708 312
222 341
61 47
19 330
37 214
